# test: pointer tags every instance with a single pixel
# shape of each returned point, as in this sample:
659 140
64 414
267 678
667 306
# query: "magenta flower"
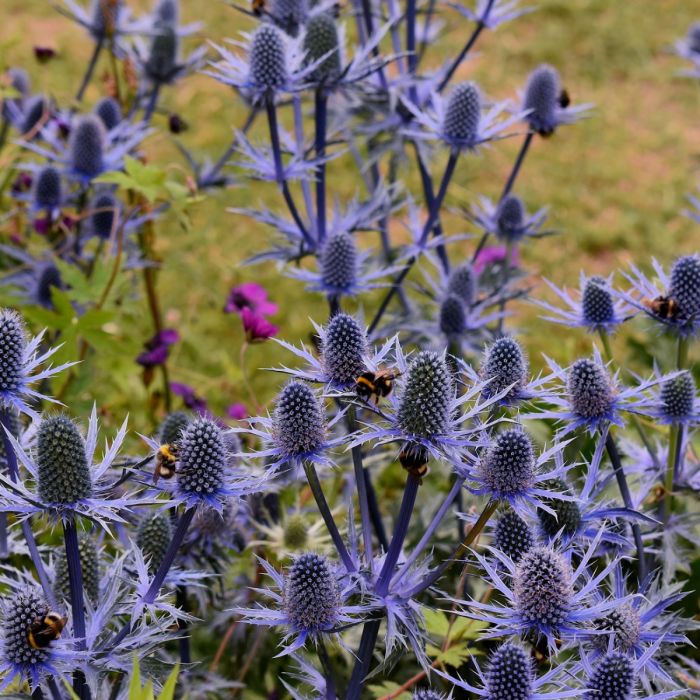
494 254
157 348
237 411
249 296
257 328
190 398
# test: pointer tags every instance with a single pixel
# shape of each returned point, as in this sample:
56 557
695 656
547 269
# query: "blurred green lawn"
615 182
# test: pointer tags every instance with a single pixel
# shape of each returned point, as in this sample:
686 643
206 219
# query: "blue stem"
623 486
480 26
178 538
317 491
408 502
152 103
410 20
432 217
25 524
362 495
364 657
432 527
75 578
508 186
321 102
279 170
90 68
299 135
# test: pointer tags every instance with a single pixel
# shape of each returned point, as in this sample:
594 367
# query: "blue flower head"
170 429
321 43
453 317
109 111
153 537
462 115
89 565
685 285
463 283
513 536
590 389
105 210
427 694
344 349
268 64
86 147
678 401
34 115
339 263
505 368
47 190
161 66
613 679
290 15
508 220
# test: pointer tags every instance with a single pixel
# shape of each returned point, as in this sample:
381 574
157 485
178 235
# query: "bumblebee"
166 460
43 630
258 7
415 461
663 307
378 384
564 99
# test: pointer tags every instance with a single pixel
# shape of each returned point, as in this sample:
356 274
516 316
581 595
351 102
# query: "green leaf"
168 692
135 682
386 688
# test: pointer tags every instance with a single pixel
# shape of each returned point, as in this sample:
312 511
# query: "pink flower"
237 411
257 328
494 254
249 296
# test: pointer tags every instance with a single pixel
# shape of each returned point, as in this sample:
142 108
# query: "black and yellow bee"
258 7
43 630
663 307
166 462
415 461
375 384
564 99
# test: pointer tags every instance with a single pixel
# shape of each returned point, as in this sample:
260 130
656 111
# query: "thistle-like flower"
309 601
289 15
505 371
153 537
109 111
19 359
492 14
547 104
19 660
321 42
677 401
90 568
47 190
513 536
596 307
508 220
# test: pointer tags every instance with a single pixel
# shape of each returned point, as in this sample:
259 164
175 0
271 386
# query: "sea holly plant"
411 501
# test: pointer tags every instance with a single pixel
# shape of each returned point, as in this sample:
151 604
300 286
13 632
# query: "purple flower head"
237 411
491 255
190 398
257 328
158 348
249 295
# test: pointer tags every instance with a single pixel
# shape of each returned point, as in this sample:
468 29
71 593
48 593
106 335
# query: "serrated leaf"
168 692
387 688
454 655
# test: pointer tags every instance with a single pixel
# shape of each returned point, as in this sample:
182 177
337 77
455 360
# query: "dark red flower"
249 296
257 328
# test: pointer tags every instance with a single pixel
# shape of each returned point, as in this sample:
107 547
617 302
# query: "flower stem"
475 530
90 69
508 186
75 578
363 658
682 354
13 472
317 491
623 486
361 485
432 527
152 102
432 217
279 170
395 546
327 670
183 525
505 274
674 449
320 103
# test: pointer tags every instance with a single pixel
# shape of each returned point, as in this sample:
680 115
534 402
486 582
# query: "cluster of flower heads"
574 534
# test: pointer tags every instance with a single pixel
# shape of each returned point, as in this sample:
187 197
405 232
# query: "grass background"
615 182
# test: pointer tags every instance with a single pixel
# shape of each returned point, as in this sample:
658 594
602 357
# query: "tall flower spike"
311 594
453 317
509 675
104 209
685 285
86 147
47 189
463 284
513 536
542 98
339 263
678 398
90 567
267 59
613 679
543 589
597 306
109 111
462 115
202 461
62 467
173 424
505 365
509 465
344 349
18 359
299 425
321 39
590 390
425 401
153 538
